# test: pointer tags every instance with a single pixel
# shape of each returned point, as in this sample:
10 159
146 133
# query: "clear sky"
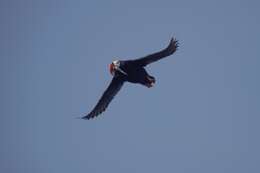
202 115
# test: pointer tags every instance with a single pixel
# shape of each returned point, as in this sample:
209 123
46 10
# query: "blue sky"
201 116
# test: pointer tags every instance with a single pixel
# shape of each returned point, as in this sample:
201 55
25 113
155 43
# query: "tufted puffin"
132 71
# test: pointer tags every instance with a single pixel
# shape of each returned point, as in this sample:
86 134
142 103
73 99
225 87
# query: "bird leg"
150 81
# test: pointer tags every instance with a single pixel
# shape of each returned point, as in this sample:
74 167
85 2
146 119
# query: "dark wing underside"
170 49
113 88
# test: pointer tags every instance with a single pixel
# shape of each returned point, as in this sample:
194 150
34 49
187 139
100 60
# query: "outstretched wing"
113 88
170 49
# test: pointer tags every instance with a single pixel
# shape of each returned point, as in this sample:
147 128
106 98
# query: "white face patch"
117 66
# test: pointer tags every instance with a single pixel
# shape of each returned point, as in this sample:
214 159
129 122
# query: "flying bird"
132 71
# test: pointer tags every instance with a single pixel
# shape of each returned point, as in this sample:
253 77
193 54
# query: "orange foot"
151 82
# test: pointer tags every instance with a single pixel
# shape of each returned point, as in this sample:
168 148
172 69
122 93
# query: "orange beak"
112 69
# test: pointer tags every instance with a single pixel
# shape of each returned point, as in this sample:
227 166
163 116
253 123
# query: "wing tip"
84 118
91 115
174 44
87 117
174 41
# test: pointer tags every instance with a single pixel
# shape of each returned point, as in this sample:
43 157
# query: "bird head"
113 67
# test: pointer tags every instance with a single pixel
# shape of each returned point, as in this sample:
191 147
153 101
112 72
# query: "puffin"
132 71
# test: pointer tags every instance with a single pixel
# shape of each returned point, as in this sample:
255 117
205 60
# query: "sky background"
202 115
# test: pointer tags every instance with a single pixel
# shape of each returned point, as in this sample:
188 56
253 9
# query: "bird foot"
149 85
151 81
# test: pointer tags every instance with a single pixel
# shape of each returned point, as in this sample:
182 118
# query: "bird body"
132 71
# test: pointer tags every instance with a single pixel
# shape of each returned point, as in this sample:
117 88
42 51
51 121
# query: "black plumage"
130 71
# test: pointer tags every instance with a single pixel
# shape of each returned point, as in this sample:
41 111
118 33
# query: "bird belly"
137 77
135 74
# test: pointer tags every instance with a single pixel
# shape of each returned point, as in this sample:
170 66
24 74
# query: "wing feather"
113 88
170 49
